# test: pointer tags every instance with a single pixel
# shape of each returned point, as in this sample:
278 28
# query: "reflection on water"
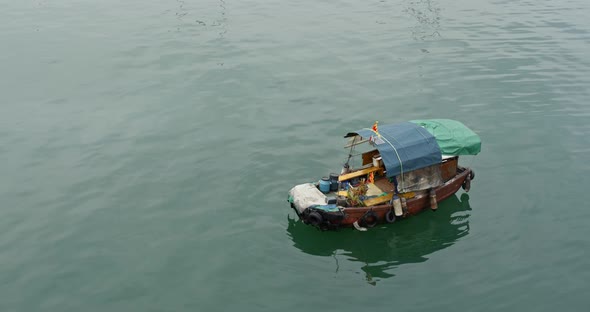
222 19
181 10
385 248
211 17
427 13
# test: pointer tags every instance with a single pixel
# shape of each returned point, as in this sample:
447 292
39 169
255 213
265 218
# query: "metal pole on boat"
346 165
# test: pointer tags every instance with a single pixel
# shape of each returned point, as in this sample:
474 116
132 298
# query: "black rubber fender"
315 218
471 174
467 185
369 220
390 216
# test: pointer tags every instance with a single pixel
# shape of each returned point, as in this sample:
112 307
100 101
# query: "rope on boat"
401 165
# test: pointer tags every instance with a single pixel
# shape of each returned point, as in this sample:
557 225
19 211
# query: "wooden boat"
404 169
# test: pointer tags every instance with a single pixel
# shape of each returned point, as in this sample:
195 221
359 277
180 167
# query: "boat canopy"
404 146
453 137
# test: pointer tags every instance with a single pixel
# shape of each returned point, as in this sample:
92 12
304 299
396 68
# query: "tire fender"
369 219
390 216
315 218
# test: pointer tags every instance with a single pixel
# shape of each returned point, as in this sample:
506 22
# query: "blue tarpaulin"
404 146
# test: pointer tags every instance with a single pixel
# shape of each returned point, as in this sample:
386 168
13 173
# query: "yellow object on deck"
373 190
408 195
357 173
378 200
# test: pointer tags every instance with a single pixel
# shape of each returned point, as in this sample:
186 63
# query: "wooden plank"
377 200
373 190
384 184
357 173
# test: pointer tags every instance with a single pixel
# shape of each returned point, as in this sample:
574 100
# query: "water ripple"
147 150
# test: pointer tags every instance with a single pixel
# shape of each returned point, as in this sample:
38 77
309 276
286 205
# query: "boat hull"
357 216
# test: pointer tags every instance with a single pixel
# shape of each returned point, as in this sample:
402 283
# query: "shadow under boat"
384 248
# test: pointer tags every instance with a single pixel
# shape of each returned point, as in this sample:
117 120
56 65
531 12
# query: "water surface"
146 150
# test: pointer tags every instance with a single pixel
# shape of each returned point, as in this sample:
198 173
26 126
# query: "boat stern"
312 207
305 195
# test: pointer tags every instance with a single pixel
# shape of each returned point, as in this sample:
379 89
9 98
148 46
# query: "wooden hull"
422 201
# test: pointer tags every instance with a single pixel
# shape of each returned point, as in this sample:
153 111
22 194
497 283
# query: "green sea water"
147 148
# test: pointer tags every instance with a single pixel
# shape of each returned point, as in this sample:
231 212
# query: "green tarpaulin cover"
453 137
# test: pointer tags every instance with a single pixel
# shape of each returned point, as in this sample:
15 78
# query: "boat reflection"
382 249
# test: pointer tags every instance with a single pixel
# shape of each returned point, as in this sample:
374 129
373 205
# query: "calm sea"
147 148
